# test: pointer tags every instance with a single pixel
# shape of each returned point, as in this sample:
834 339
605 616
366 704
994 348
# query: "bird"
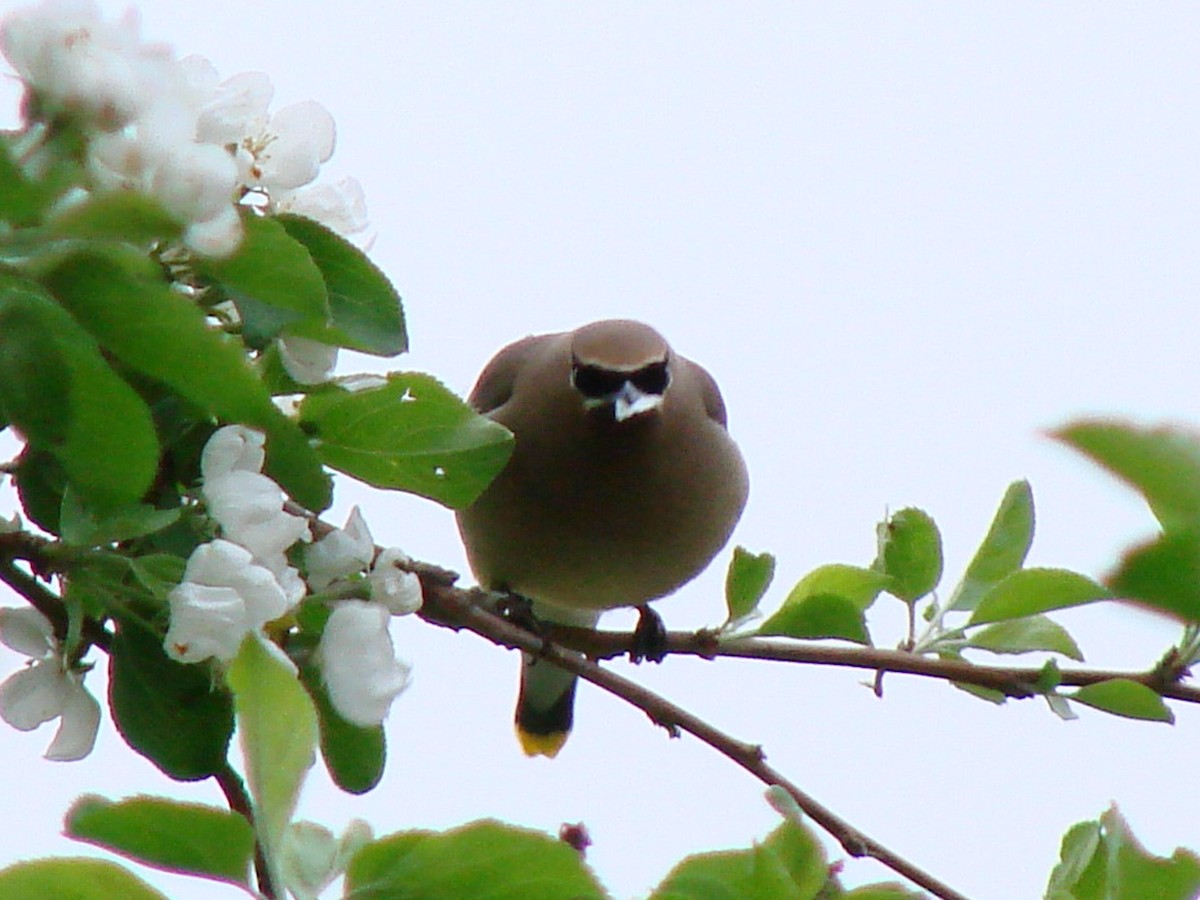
624 483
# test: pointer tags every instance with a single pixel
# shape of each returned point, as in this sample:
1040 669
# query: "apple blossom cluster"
239 583
206 149
242 581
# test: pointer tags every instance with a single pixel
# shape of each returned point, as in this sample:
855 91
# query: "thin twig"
453 607
1013 681
41 598
234 789
457 610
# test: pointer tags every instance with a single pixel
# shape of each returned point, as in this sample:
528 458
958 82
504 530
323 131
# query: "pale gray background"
907 238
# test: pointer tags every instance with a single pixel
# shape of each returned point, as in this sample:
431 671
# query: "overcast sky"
905 238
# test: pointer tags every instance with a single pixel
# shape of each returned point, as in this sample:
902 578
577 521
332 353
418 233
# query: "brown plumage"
623 485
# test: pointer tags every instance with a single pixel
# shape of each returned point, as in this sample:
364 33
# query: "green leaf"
1079 846
1050 676
483 860
365 310
272 278
991 695
1162 463
910 553
20 200
1030 591
828 602
58 389
159 333
411 434
818 616
800 851
746 582
1024 635
180 837
883 891
789 864
859 586
278 728
165 710
354 755
1104 861
68 878
84 527
118 216
41 482
1123 697
158 572
1164 573
1003 550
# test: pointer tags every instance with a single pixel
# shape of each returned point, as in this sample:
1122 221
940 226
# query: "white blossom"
233 447
70 55
224 596
342 552
47 688
341 206
248 506
307 361
143 105
172 129
275 152
358 662
396 588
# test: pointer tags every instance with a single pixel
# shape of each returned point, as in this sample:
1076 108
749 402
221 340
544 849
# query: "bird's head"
622 366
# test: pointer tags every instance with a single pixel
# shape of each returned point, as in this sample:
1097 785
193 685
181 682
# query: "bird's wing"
495 384
714 404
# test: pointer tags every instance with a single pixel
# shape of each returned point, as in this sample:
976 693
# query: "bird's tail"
545 706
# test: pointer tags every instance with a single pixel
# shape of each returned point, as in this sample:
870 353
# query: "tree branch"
1019 682
29 548
575 650
455 608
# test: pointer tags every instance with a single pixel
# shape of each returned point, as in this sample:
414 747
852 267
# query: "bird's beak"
631 401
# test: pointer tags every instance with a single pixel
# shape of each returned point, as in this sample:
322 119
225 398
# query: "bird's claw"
649 638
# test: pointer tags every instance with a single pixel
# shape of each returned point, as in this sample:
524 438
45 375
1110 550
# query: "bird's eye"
653 379
596 383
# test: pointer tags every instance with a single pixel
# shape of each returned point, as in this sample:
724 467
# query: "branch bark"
577 650
455 608
236 796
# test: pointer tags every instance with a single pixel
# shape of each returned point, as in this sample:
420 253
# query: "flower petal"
342 552
77 732
34 695
27 631
303 136
249 508
341 206
233 447
236 110
307 361
217 237
395 588
206 622
358 662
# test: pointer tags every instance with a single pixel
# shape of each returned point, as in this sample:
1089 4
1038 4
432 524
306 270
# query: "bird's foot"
649 638
518 609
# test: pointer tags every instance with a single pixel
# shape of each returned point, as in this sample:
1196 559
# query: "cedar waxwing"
623 485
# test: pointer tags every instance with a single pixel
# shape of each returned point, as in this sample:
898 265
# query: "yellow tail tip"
546 745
